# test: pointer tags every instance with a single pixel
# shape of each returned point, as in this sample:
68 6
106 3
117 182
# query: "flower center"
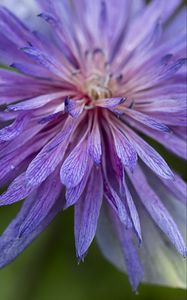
97 87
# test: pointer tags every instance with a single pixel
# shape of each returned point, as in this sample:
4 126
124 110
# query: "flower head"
77 105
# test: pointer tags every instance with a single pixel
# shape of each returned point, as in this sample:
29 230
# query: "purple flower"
77 105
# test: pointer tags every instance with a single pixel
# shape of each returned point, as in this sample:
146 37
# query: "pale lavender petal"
157 210
36 102
109 102
178 187
156 251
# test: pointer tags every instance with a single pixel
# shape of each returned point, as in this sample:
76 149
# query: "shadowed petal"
87 211
117 204
162 264
157 210
11 245
117 246
43 199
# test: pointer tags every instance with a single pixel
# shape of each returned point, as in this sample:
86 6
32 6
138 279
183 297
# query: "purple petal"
94 144
156 250
87 212
117 246
67 129
134 266
31 69
146 120
11 245
13 130
150 157
74 167
14 28
45 163
43 199
124 149
117 204
17 191
132 211
157 210
73 194
45 60
178 187
172 142
109 102
168 10
37 102
73 107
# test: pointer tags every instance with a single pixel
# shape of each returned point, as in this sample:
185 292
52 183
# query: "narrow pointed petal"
109 102
134 266
87 213
146 120
43 199
16 191
178 188
36 102
94 144
11 245
117 246
150 157
74 107
12 131
117 204
132 212
157 210
74 167
73 194
45 163
125 150
156 251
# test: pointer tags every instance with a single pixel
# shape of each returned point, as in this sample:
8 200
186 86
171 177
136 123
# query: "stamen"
97 87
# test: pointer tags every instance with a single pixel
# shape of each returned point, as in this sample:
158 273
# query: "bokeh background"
48 269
